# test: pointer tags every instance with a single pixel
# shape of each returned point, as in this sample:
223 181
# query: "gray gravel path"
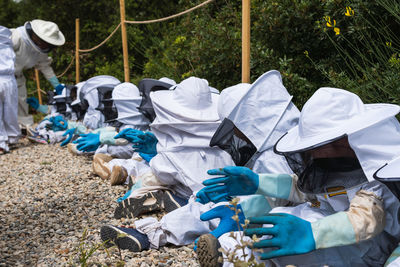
48 198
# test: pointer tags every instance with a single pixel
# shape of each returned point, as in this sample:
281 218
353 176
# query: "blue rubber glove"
146 157
129 134
88 142
59 88
226 223
146 144
59 123
70 133
33 102
290 234
237 181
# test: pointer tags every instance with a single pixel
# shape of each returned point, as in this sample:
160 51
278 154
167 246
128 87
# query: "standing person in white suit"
31 43
9 129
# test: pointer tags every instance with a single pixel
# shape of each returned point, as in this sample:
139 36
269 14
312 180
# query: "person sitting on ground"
350 218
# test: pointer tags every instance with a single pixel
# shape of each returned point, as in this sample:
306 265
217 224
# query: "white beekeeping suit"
29 54
9 129
186 119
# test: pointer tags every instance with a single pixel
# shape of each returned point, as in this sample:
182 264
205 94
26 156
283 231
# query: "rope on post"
69 66
169 17
102 43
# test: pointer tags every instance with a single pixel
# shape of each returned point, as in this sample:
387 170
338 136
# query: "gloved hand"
226 223
129 134
290 234
146 144
33 102
88 142
70 133
238 181
59 88
58 123
146 157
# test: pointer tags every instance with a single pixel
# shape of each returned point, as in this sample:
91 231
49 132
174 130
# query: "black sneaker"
170 202
150 202
124 238
207 251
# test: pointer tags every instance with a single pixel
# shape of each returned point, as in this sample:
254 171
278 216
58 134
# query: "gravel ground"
48 198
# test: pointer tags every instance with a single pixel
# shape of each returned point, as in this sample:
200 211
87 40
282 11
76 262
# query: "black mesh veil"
317 174
230 139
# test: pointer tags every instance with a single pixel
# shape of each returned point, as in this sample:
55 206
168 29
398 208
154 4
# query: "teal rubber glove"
146 144
146 157
70 134
59 123
227 223
129 134
88 142
290 234
33 102
59 88
237 181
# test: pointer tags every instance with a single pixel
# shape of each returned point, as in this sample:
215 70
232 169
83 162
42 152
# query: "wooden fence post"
246 41
77 74
38 86
124 40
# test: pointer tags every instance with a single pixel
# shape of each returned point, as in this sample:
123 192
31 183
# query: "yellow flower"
306 53
389 44
330 23
349 12
336 30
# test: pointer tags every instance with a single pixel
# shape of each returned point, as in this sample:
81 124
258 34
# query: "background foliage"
288 35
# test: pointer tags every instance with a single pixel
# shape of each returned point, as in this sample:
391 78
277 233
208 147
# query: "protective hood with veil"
61 104
146 86
260 117
372 131
186 119
335 149
89 96
78 109
126 99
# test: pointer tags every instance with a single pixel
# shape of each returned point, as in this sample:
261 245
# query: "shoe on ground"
99 165
150 202
124 238
207 251
72 149
39 139
31 132
118 175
